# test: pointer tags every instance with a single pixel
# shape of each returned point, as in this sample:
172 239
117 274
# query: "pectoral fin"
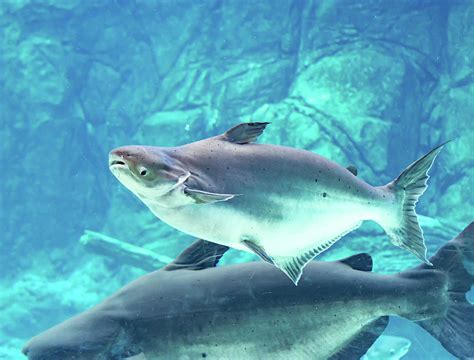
204 197
184 193
200 196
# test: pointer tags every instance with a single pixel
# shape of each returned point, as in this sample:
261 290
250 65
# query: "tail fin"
404 229
455 328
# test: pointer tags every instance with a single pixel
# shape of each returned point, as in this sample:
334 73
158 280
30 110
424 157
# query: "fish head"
88 336
147 171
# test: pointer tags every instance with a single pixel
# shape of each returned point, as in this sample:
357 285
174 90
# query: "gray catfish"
192 309
283 204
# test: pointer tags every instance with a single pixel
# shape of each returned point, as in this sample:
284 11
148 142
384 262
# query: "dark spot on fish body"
324 194
315 180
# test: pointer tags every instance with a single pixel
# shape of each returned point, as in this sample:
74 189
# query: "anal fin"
293 266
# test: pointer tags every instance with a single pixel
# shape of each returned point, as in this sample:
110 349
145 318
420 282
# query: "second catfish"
283 204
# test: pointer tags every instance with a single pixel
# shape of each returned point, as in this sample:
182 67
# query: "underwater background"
370 83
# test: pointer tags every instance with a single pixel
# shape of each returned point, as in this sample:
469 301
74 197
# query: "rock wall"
362 83
370 83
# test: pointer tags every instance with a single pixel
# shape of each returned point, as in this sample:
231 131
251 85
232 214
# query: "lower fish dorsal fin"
361 262
293 266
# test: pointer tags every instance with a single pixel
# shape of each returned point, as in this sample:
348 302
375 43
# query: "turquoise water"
367 83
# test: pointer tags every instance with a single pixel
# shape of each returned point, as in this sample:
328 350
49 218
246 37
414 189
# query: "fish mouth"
117 163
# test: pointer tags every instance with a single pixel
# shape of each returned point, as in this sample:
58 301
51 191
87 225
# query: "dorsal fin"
245 132
199 255
352 169
361 262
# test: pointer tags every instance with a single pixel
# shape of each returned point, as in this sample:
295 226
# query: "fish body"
256 197
192 309
305 195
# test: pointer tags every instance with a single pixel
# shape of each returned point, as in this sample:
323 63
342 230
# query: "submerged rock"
362 83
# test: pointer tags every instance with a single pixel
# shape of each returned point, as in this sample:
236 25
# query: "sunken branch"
122 251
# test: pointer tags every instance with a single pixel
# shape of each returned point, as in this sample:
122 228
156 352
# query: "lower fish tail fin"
454 328
403 227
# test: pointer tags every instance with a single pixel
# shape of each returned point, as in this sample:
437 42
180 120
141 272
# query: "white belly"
304 225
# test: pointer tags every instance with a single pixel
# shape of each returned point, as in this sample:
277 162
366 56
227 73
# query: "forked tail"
454 328
403 227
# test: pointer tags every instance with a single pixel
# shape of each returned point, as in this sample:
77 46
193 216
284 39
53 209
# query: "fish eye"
143 171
